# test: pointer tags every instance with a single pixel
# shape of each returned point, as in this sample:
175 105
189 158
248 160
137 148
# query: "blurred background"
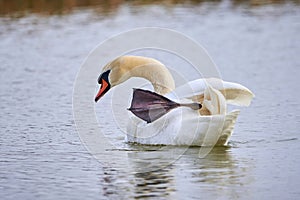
43 44
19 8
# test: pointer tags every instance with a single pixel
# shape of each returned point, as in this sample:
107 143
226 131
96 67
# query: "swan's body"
208 126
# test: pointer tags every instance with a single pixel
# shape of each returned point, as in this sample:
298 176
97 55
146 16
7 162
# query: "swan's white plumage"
235 94
182 126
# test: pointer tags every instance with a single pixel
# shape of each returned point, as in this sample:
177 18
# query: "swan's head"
111 75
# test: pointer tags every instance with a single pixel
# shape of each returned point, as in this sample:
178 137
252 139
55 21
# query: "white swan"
209 126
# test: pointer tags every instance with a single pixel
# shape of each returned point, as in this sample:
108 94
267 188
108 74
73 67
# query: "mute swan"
211 125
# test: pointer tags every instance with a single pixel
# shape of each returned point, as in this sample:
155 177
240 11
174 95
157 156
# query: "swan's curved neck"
150 69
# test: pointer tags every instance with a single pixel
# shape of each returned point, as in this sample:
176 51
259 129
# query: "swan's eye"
104 76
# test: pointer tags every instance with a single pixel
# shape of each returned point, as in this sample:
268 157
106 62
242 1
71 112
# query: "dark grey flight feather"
150 106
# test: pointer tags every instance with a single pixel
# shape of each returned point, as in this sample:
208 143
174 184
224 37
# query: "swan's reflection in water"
217 175
158 183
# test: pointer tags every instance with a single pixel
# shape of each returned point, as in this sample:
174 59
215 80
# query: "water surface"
42 48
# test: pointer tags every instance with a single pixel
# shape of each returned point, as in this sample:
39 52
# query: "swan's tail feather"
228 127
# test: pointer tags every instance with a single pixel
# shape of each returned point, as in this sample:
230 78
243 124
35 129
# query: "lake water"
42 48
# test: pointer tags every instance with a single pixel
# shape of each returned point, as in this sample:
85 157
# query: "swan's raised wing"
234 93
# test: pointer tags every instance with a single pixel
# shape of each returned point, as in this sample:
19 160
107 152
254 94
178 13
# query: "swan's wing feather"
234 93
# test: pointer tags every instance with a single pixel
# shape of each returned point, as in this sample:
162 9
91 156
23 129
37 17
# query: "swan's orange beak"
105 86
